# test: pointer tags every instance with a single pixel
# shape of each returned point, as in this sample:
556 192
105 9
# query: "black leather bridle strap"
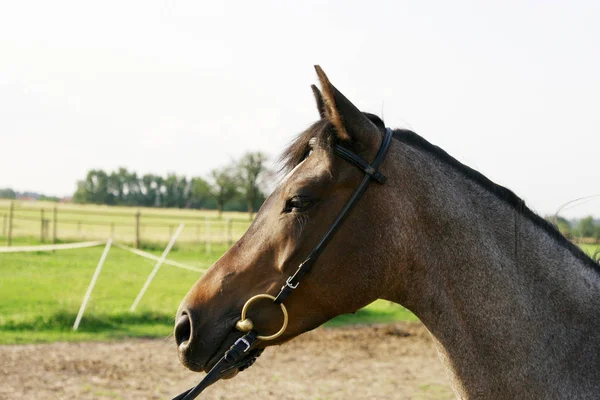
230 360
371 173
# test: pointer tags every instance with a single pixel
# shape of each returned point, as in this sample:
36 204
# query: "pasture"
40 294
75 222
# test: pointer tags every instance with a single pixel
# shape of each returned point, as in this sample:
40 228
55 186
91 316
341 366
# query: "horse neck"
508 305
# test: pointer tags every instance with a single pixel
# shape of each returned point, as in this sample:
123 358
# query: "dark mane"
412 139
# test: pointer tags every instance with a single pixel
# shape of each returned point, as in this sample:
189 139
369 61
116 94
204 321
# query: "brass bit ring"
245 324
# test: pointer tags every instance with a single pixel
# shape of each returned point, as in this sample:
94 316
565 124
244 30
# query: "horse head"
291 222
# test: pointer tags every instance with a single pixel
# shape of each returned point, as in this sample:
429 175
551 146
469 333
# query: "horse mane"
324 132
508 196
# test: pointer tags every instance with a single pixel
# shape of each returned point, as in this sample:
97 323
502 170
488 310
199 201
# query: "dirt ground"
379 362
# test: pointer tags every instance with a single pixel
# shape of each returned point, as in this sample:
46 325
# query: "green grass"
40 295
591 249
380 311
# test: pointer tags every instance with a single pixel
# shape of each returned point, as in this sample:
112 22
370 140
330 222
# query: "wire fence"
55 224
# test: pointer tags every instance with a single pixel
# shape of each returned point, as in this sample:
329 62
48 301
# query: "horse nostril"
183 329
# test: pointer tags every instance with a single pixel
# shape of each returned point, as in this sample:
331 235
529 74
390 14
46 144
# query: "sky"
510 88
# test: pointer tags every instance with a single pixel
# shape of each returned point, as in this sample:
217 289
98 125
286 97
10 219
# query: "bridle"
234 357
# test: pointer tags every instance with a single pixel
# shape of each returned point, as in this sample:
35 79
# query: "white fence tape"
50 247
149 256
160 261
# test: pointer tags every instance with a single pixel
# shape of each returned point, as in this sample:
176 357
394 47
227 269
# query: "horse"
511 304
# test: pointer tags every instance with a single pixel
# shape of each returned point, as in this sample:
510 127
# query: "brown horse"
512 305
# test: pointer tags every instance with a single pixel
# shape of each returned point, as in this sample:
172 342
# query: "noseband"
234 357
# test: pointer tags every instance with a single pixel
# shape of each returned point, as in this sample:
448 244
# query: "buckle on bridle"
289 284
243 340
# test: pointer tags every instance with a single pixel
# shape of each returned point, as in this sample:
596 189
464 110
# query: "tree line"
586 227
7 193
239 186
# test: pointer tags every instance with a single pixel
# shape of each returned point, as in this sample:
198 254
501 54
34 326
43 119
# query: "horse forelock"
323 132
298 148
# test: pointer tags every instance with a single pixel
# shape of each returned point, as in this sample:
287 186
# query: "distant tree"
250 170
94 189
199 194
176 190
132 189
148 190
223 186
222 190
115 186
7 194
587 227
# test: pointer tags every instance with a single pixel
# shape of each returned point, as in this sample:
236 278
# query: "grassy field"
591 249
85 222
40 294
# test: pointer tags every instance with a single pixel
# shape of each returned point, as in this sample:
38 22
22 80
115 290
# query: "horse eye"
297 204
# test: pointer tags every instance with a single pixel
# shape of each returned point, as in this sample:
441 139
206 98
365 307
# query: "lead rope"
240 348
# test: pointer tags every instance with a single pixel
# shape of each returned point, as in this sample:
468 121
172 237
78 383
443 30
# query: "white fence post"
88 293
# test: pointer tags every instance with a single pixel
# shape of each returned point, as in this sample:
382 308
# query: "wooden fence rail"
53 224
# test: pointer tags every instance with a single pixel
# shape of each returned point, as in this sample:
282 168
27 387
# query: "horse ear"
319 100
349 122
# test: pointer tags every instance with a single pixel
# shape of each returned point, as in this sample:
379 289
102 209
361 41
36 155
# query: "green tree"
223 186
7 194
587 227
115 187
176 190
149 190
250 170
94 189
199 194
131 185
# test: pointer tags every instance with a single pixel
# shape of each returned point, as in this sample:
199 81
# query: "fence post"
112 230
229 238
54 221
4 220
10 222
137 229
207 233
42 225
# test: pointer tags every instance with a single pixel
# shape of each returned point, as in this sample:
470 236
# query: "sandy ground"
380 362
